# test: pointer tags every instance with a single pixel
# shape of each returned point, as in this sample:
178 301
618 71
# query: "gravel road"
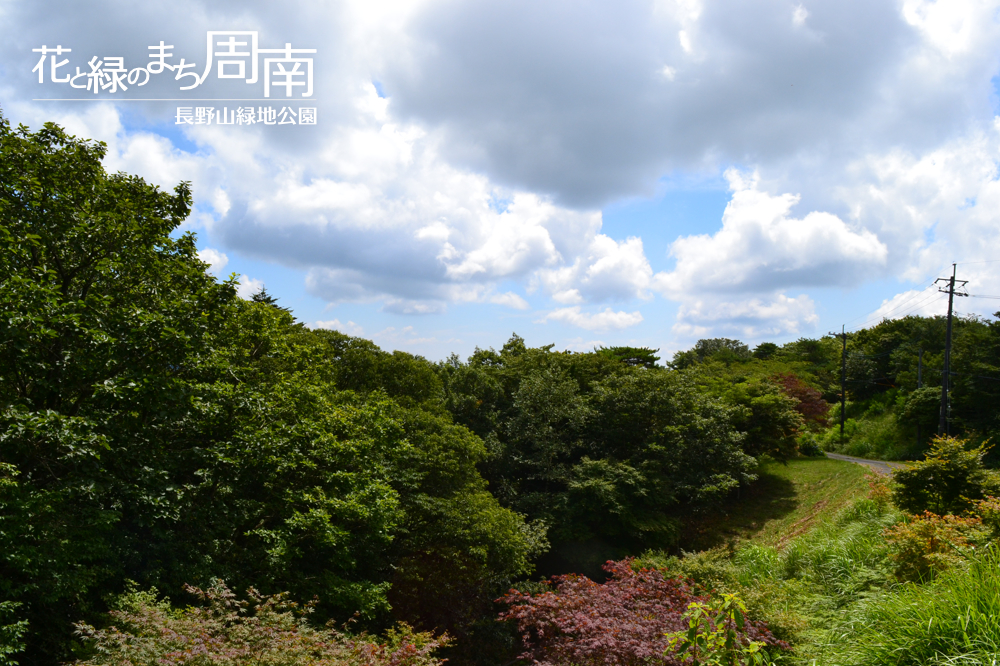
880 466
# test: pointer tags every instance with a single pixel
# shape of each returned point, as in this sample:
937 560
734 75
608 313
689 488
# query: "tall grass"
805 588
954 620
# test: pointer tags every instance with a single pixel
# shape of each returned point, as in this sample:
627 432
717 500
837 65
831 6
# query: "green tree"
723 350
102 311
633 356
947 481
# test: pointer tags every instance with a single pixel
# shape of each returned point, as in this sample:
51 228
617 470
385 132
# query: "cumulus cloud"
216 260
599 321
350 328
758 317
761 247
498 128
760 252
676 85
927 302
247 287
607 270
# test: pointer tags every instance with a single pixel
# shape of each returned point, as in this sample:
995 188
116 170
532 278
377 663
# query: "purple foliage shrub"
624 621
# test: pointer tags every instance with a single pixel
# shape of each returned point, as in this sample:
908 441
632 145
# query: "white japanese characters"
235 54
245 115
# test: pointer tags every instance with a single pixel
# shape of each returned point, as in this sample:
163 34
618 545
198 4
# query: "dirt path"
880 466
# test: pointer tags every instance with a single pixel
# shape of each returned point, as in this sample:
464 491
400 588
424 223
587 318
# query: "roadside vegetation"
190 477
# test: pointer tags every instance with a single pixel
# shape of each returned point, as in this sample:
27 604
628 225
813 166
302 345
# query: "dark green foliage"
765 350
633 356
267 299
947 481
723 350
600 451
889 409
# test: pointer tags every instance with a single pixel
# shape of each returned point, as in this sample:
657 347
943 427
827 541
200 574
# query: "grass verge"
788 500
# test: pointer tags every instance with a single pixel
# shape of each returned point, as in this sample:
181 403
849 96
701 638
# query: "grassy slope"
787 501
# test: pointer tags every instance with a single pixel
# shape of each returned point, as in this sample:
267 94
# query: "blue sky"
643 173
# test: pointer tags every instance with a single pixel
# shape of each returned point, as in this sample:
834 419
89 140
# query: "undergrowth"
873 586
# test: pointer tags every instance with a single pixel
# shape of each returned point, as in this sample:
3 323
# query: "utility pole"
843 379
943 423
920 384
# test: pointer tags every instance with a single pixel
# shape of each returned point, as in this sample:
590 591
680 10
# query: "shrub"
947 481
988 511
927 544
714 638
266 630
631 619
879 488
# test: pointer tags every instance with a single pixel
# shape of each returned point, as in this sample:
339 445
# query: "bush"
627 620
947 481
809 446
988 511
225 631
928 544
713 637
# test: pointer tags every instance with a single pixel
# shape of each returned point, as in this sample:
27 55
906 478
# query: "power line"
912 307
946 373
905 302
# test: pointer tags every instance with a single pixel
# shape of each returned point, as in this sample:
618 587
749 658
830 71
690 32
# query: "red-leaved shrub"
622 621
811 405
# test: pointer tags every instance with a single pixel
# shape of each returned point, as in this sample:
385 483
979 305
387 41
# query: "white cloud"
509 299
481 164
350 328
599 321
608 270
922 303
247 287
215 259
799 16
406 336
752 319
762 248
578 344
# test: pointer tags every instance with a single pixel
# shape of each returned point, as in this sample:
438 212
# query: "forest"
188 477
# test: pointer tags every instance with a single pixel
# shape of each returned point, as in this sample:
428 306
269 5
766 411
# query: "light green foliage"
886 409
11 633
807 589
224 630
876 434
713 639
947 481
